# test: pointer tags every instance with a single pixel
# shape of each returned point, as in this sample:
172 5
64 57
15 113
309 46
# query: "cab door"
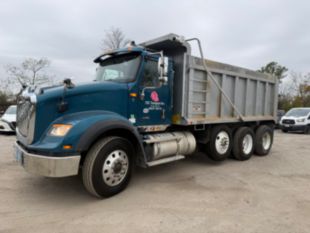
154 104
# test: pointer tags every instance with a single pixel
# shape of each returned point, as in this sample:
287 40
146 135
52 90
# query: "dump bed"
198 100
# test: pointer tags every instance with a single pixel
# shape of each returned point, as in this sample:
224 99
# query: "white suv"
296 119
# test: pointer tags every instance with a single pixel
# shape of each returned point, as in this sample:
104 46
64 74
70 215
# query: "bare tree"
295 91
114 38
30 72
301 86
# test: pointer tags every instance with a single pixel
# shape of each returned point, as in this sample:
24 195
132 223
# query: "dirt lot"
264 194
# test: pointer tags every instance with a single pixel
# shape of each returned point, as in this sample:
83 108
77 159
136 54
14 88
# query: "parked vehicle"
280 114
296 119
8 120
150 104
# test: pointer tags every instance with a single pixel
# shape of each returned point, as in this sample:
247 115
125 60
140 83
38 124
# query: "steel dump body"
254 94
198 100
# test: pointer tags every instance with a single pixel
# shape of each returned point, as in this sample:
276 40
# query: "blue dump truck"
150 104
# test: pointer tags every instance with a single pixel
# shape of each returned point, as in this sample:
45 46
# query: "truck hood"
107 96
293 117
81 89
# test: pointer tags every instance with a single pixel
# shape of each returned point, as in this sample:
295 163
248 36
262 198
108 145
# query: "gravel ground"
263 194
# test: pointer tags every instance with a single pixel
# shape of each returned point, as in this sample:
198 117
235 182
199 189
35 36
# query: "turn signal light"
67 147
133 94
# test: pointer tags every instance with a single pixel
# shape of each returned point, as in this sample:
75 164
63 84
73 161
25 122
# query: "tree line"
294 87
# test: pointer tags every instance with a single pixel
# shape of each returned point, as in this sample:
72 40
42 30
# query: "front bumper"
46 165
294 127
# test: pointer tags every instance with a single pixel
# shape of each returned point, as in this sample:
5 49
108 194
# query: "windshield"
11 110
298 112
121 68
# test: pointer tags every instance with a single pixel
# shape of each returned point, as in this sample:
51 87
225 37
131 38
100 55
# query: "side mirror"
163 65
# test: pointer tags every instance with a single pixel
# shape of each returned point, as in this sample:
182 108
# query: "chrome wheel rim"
266 141
222 142
115 168
247 144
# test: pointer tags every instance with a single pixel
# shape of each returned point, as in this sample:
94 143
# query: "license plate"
286 126
19 156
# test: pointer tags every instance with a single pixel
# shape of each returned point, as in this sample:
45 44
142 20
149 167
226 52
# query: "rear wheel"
243 146
263 140
107 167
220 144
284 130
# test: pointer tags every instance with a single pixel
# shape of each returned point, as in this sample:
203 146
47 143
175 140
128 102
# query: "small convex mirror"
163 66
163 80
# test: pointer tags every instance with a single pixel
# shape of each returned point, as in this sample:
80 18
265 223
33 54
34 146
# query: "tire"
284 130
220 144
263 140
307 129
243 145
108 166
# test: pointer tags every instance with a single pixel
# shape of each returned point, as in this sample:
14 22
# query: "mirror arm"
162 64
142 95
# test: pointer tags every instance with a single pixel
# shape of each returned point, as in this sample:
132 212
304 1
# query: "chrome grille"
25 117
22 117
288 121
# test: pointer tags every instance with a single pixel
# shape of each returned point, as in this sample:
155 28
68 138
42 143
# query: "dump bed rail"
254 94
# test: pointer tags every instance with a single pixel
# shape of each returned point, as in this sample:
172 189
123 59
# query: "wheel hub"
118 167
222 142
266 141
247 144
115 167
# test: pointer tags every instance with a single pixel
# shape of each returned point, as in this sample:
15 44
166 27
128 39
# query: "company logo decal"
154 96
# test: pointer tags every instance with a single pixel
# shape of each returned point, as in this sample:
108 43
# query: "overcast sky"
246 33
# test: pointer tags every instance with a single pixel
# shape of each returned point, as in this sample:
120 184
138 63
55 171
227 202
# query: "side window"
150 74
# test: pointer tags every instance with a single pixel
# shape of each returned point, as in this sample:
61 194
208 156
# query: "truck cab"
149 101
132 94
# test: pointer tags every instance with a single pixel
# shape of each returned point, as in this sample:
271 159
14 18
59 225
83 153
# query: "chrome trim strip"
152 128
49 166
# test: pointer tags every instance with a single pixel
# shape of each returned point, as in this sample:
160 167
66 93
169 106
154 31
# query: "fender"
112 122
101 127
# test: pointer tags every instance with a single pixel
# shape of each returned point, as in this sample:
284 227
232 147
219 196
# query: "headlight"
301 120
60 130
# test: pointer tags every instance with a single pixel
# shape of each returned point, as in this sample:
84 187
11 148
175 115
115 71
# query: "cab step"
162 139
165 160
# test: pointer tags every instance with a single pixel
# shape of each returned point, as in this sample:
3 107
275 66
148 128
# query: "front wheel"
107 167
